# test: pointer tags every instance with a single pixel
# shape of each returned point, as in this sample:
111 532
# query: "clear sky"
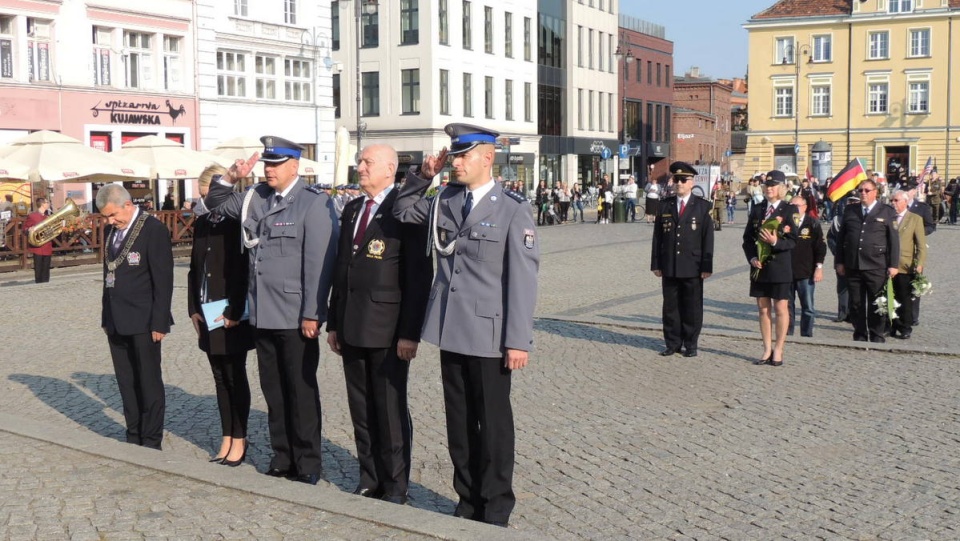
705 33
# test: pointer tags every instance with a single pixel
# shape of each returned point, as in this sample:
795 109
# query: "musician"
137 293
41 254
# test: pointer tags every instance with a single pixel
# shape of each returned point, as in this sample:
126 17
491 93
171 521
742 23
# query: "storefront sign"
6 58
137 112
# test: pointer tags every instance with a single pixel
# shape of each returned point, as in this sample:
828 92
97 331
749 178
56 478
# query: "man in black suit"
137 292
380 289
868 251
922 209
682 257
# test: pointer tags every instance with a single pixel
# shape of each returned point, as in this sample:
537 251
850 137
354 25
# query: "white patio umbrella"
168 159
52 156
241 148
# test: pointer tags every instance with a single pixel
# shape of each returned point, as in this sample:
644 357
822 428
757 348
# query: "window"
579 46
371 93
138 62
240 7
784 101
410 96
590 48
600 110
648 131
920 42
590 110
822 49
467 35
171 63
336 95
527 40
785 51
919 97
639 70
508 34
38 49
444 92
409 22
527 102
667 74
335 25
579 108
878 98
371 29
231 76
610 51
508 99
600 51
901 6
488 97
821 100
290 11
879 45
649 72
488 29
443 22
297 79
102 42
659 80
467 94
265 68
6 46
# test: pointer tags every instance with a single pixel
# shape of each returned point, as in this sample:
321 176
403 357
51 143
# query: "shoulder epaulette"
516 196
315 189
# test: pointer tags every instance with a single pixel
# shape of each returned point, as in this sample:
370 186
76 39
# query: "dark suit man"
868 250
480 312
137 292
291 231
380 288
923 210
682 257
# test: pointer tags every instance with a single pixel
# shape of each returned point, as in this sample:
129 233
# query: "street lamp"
803 49
627 58
369 7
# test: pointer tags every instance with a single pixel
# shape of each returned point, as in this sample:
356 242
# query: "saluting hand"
432 165
515 359
241 168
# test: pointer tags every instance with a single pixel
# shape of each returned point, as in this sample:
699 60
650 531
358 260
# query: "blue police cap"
278 149
464 137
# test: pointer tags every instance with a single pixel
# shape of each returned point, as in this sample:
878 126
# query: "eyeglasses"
865 190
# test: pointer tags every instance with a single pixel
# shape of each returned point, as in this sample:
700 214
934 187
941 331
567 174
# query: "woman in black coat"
218 270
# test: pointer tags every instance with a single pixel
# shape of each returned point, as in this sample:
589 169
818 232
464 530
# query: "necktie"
770 210
683 207
865 210
362 226
117 242
467 205
276 200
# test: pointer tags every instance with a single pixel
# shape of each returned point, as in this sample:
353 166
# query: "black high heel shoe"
217 459
768 360
235 463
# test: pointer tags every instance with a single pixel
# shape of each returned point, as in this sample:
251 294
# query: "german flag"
846 180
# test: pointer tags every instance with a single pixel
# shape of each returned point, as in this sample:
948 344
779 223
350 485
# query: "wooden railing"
82 245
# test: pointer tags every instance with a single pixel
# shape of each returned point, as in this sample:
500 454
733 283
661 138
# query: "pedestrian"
731 204
807 258
924 210
290 230
768 239
380 289
542 202
480 313
912 258
630 199
217 284
682 257
718 199
576 197
950 194
137 294
42 254
652 197
562 199
868 248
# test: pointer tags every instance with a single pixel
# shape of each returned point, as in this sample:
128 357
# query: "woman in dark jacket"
218 271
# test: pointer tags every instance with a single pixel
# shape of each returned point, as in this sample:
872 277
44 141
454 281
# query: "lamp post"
627 58
802 49
370 7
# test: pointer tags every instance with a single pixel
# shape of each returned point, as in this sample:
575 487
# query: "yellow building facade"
877 80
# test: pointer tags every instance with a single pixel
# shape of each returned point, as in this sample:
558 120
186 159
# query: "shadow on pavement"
70 400
594 333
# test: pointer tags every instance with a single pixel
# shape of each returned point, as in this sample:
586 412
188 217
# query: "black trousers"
136 362
377 395
476 397
233 392
682 311
863 286
288 377
41 268
903 292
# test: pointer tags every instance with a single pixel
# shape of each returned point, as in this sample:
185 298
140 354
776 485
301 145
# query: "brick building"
701 119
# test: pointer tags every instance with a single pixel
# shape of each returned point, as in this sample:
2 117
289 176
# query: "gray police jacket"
485 290
292 265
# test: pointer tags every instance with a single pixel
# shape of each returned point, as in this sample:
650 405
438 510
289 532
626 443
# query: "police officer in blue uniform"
480 311
291 231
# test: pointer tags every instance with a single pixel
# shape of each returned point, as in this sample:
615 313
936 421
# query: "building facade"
872 78
702 118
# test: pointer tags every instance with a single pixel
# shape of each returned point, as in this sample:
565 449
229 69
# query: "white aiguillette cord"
248 241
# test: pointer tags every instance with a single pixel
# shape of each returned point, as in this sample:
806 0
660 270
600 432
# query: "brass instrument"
52 225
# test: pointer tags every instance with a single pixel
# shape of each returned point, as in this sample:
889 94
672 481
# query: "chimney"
694 72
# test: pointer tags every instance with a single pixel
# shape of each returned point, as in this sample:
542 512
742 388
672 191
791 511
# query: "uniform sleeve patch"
529 238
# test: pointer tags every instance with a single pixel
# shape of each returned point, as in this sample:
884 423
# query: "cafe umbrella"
51 156
168 159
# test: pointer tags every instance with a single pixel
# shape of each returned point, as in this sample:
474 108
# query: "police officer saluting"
290 230
480 312
682 257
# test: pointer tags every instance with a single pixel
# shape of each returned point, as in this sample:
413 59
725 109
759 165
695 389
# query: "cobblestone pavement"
614 442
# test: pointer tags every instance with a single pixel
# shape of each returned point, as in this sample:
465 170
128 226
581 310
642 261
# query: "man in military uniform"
682 257
935 195
480 312
292 230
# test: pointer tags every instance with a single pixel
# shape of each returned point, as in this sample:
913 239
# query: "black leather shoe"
237 462
760 362
859 338
904 335
690 353
668 352
277 472
367 492
308 478
776 363
217 459
878 339
399 500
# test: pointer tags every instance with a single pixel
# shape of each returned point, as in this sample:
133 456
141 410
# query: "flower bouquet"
921 285
886 305
764 250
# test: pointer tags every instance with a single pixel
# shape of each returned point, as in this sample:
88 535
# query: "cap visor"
274 158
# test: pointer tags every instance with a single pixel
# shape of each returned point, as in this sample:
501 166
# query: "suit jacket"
139 302
682 246
923 210
868 242
779 268
380 292
218 261
913 243
810 249
485 290
292 265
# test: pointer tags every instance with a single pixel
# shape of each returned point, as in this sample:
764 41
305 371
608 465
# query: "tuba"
52 225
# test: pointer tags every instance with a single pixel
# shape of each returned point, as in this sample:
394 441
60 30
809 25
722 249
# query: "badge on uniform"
805 232
133 258
110 279
528 238
376 248
694 224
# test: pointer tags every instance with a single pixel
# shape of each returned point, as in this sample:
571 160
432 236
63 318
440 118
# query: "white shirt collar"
136 213
378 200
480 192
287 191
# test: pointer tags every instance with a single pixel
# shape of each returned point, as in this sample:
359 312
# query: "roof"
815 8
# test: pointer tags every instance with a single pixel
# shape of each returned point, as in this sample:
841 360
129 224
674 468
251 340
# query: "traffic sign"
624 151
606 153
796 149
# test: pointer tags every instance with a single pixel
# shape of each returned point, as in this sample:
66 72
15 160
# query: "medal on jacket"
693 225
110 279
375 248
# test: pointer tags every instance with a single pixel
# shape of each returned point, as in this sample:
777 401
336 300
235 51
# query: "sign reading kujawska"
137 112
